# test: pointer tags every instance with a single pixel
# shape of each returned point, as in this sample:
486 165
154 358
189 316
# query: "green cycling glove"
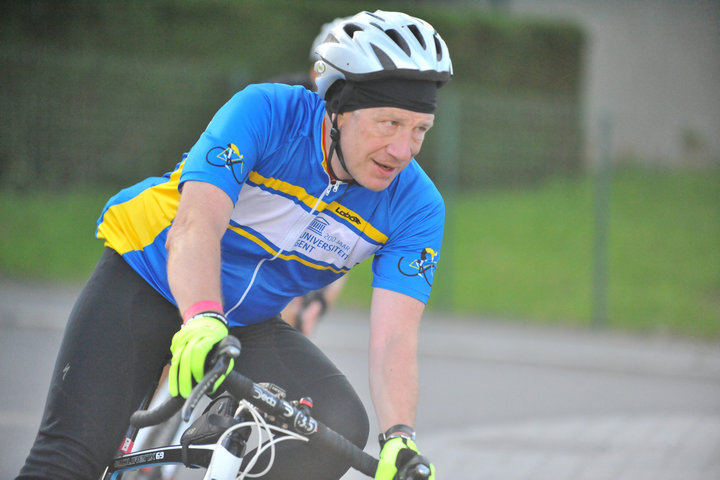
396 453
190 347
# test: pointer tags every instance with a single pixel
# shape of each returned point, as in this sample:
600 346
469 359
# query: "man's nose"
401 147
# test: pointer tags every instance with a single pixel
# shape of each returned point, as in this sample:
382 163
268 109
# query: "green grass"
665 253
528 255
50 236
525 255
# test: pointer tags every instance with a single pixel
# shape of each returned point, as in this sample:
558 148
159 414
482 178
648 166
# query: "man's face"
377 143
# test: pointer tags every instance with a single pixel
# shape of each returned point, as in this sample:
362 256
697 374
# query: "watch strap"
399 430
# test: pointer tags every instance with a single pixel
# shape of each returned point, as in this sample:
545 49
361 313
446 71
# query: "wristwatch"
396 431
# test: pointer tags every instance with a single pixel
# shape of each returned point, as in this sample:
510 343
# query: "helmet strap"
335 148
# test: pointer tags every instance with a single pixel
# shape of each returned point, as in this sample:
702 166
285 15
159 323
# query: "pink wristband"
203 306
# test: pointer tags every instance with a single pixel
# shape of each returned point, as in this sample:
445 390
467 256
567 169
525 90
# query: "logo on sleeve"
228 157
421 267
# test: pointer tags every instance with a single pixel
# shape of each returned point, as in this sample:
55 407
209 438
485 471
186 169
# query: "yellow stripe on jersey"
157 205
283 256
358 221
285 187
311 201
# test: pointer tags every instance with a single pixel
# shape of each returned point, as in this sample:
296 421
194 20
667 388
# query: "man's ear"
342 117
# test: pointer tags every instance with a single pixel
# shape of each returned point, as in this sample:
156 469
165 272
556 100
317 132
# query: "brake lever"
228 348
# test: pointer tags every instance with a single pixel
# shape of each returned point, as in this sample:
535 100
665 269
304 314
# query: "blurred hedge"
113 91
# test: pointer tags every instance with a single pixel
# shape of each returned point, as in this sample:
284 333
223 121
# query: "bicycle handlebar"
146 418
286 414
218 360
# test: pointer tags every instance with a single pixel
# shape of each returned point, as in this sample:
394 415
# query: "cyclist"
284 192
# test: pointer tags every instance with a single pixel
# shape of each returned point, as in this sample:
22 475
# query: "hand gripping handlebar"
219 360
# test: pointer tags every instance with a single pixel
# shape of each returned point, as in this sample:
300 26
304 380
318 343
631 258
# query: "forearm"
332 291
194 268
394 383
393 357
193 244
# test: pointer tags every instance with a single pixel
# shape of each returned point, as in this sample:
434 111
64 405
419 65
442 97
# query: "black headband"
414 95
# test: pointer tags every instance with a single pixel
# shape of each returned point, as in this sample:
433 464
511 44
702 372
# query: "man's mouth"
384 167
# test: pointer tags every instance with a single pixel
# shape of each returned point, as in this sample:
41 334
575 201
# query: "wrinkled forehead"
396 114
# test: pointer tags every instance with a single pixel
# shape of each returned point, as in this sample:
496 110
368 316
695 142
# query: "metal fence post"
602 181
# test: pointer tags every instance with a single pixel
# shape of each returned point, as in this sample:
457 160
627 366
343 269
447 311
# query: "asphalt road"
497 400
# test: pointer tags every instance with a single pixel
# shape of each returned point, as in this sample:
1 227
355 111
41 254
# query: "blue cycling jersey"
292 229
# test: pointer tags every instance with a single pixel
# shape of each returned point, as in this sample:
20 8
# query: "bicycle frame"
269 412
223 458
199 456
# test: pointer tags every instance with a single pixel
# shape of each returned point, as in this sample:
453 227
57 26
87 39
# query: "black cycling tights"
116 343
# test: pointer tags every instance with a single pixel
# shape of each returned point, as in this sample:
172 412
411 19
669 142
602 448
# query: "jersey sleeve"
407 263
232 143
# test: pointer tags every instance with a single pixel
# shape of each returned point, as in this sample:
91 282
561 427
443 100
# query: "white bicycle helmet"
372 46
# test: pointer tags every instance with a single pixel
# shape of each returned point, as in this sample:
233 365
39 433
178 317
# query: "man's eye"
388 125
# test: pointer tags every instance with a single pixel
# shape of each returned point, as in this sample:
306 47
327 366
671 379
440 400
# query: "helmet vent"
384 59
397 38
416 32
438 47
351 28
